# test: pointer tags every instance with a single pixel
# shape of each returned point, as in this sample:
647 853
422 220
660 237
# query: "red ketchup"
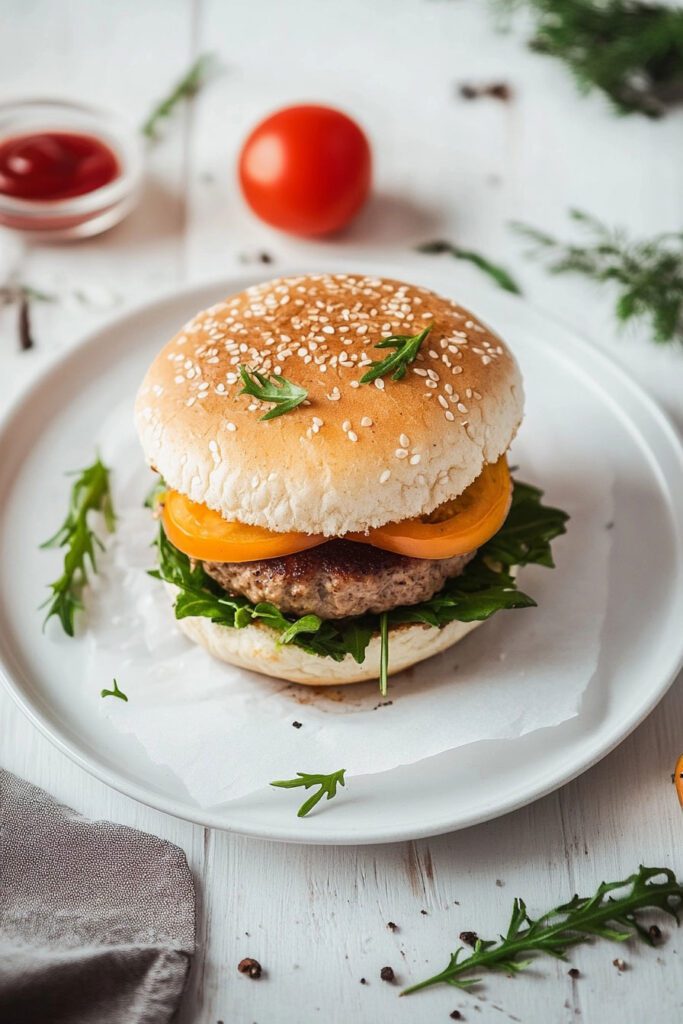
50 166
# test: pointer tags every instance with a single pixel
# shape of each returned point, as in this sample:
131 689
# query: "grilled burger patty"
338 579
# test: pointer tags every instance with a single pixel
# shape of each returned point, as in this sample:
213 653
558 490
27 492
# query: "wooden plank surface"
317 918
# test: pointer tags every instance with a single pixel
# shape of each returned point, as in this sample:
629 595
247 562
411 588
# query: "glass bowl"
84 215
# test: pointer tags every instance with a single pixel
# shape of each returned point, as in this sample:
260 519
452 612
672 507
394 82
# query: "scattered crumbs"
383 704
494 90
297 725
456 903
620 964
655 932
387 974
610 525
363 981
256 257
500 883
456 1015
424 913
250 967
469 938
574 972
392 926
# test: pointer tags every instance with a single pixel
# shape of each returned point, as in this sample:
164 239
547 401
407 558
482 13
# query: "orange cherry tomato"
678 778
203 534
455 527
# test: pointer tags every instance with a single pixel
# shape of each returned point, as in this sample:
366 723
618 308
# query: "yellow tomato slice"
678 778
203 534
455 527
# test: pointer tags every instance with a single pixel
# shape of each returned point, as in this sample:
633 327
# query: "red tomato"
306 169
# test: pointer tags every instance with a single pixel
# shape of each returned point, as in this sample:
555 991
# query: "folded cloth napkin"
97 921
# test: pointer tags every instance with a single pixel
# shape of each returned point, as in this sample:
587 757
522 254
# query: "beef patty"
338 579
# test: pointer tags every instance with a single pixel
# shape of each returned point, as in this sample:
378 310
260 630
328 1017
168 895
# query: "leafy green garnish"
328 785
631 50
383 653
485 586
158 488
407 346
114 693
649 274
188 86
609 914
278 391
499 274
90 492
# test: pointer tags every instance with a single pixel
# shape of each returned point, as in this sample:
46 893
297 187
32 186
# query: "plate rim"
597 750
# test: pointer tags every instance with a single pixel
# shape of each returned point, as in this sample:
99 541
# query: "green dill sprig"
649 274
276 390
188 86
499 274
90 492
327 783
407 346
629 49
611 913
114 693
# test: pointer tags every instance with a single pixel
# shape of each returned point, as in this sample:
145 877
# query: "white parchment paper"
225 732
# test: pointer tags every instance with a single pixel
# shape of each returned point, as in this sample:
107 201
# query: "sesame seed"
355 384
328 329
379 384
449 415
230 426
254 481
401 453
486 360
461 407
384 476
414 459
352 435
213 447
366 421
346 425
404 441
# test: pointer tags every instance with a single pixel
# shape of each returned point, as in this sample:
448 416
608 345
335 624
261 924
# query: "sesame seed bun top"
354 456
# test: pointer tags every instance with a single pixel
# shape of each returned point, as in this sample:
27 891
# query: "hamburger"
334 496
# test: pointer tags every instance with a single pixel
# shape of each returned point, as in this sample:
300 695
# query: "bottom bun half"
256 648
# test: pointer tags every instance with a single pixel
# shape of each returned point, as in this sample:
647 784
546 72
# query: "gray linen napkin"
97 921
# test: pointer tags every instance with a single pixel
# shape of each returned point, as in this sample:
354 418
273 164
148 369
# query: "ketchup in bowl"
67 170
49 166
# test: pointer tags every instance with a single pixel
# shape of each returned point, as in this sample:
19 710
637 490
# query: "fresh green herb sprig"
407 346
90 492
631 50
276 390
613 912
499 274
648 274
188 86
327 783
116 692
485 587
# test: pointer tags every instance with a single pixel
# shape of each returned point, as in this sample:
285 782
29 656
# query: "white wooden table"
317 918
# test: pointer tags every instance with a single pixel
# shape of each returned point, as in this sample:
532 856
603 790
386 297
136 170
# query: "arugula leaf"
611 913
327 783
114 693
407 346
277 390
90 492
499 274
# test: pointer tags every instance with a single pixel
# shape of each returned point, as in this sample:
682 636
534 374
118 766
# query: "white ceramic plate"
51 428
